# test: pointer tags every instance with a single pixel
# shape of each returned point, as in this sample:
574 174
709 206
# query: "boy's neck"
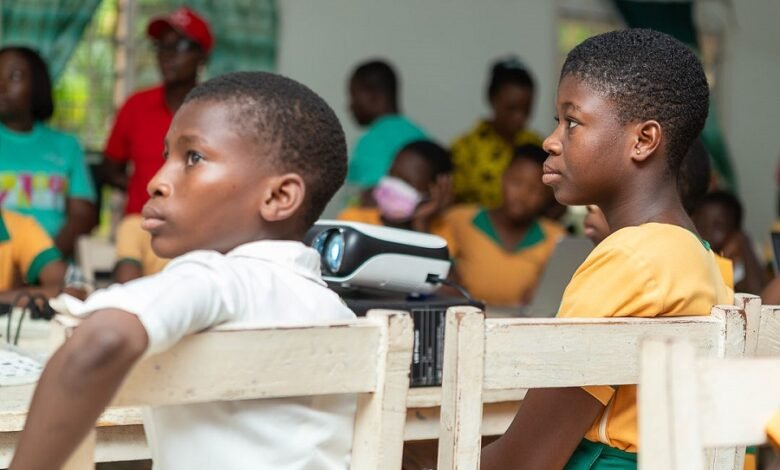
660 204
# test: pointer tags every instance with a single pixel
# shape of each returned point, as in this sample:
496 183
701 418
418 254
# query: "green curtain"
52 27
676 19
245 33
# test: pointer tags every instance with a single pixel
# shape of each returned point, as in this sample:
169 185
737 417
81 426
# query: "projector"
363 256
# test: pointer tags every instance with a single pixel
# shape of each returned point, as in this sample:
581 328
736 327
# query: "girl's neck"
19 123
510 232
646 205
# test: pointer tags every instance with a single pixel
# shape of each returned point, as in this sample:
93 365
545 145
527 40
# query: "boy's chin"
164 250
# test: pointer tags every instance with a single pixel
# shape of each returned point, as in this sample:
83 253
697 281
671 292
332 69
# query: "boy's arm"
78 382
545 431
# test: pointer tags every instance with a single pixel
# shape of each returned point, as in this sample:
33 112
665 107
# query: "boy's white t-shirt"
266 282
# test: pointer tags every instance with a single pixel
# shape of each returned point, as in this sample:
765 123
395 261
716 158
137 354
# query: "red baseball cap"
185 22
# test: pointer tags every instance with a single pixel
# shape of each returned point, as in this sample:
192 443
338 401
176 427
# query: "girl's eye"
193 158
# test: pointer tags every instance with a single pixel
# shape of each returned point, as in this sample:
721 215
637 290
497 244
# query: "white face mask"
396 199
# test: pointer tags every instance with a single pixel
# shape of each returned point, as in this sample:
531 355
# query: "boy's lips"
550 175
153 219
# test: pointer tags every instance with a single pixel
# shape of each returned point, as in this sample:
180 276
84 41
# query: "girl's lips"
550 175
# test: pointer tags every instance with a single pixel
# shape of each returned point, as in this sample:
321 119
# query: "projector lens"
334 251
330 245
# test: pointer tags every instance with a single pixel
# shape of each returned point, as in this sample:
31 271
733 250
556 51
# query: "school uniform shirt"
134 245
651 270
263 282
25 249
138 138
489 271
371 216
39 171
376 148
479 159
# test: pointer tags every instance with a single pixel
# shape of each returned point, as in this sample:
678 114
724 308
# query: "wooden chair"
687 405
94 255
507 354
368 356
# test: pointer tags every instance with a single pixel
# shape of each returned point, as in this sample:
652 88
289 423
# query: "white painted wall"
442 49
749 96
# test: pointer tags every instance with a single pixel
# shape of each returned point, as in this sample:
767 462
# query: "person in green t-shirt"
373 91
42 171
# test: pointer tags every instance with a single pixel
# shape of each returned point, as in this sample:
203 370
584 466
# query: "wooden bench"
483 356
369 357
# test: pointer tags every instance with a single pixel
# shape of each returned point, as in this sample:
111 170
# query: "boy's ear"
283 196
648 139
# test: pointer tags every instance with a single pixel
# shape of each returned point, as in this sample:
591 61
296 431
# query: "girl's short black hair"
646 75
42 103
509 71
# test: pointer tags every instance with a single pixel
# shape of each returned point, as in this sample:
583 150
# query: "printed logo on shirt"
33 190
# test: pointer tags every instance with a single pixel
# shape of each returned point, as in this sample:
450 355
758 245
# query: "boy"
512 236
415 192
718 217
374 103
629 105
252 159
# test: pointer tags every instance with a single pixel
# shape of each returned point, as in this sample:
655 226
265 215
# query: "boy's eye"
193 158
572 124
165 154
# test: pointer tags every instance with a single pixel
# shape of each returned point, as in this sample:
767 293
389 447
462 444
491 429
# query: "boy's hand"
78 382
441 198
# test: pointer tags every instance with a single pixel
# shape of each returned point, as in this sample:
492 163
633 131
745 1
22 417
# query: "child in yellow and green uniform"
27 254
502 252
629 105
134 255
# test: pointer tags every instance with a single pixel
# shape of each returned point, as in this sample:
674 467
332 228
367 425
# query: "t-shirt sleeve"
193 293
33 247
611 283
80 185
128 245
118 146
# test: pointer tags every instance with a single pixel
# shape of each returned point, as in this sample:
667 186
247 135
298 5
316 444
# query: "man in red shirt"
182 40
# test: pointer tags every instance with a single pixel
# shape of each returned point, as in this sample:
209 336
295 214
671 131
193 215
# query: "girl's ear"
648 138
283 197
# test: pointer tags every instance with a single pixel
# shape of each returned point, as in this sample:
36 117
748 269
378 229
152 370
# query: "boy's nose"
158 185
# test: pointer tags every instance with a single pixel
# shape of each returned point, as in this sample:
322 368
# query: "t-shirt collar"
293 255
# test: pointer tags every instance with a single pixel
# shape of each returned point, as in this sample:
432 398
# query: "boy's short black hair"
532 152
728 201
509 71
379 76
434 154
693 180
282 114
647 75
42 103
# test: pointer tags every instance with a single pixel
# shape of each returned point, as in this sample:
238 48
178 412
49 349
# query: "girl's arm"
545 432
